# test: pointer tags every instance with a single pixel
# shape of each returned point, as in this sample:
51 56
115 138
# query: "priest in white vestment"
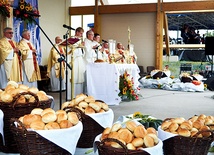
77 74
53 68
10 59
31 71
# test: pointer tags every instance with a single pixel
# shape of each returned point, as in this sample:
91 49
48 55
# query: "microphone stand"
66 69
59 60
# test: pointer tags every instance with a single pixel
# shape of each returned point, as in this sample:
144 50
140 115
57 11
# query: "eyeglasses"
10 32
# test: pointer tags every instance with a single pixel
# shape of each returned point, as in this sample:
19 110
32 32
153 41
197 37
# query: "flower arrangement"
5 8
126 87
26 12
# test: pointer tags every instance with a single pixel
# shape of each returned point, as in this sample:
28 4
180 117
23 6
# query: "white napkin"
65 138
163 135
2 125
105 119
52 103
156 150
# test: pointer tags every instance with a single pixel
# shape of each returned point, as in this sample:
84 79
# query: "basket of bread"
187 137
17 100
95 115
47 132
130 138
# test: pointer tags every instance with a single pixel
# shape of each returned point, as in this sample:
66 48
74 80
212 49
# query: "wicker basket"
108 150
90 130
16 110
179 145
157 75
31 143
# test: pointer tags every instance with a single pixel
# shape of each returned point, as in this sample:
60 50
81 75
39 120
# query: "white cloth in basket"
2 125
105 119
163 135
156 150
65 138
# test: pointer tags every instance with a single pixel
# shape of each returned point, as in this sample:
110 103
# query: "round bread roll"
116 145
13 92
184 132
193 133
42 96
21 119
137 142
165 125
13 83
154 136
23 87
186 125
104 106
178 120
197 124
65 105
193 119
116 127
60 112
106 131
140 131
52 126
37 111
130 146
114 135
151 130
33 90
148 141
65 124
72 117
49 117
208 121
89 110
173 127
8 88
28 119
89 99
81 109
32 99
202 116
203 129
131 125
61 117
20 90
21 100
5 97
83 104
125 135
37 125
47 110
79 98
96 106
101 111
72 103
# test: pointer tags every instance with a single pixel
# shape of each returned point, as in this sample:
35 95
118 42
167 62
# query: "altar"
103 80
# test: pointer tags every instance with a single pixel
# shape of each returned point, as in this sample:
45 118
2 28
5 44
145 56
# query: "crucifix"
129 36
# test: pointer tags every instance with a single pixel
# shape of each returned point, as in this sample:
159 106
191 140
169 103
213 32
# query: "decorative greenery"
5 8
26 12
146 120
126 86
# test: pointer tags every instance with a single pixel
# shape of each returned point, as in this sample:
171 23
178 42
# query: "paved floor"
161 104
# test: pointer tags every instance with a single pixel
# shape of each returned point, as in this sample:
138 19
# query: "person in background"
10 59
78 65
105 51
120 54
31 71
98 49
130 56
90 46
53 68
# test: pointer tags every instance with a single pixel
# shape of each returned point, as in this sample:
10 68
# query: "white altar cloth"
103 80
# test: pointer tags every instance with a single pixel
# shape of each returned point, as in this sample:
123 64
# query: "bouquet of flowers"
126 87
26 12
5 8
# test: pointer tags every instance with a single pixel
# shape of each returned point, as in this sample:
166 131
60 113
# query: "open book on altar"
71 41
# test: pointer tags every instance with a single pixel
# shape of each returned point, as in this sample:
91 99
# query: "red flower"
17 12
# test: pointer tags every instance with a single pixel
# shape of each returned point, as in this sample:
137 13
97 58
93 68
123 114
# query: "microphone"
68 27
